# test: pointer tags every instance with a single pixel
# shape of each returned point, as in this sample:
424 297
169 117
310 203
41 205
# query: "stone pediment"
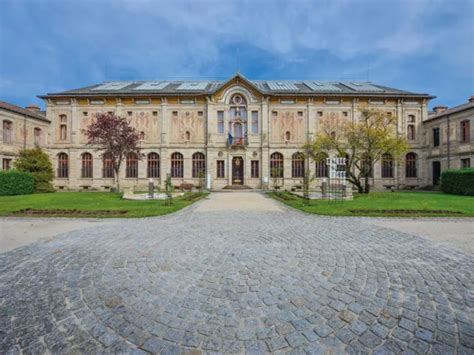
238 80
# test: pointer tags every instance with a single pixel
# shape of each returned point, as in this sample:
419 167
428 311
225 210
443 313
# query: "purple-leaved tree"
113 135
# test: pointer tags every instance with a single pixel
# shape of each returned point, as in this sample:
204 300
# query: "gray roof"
206 87
40 115
450 111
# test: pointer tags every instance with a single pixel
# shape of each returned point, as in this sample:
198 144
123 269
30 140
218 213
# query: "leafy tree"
37 162
114 135
363 142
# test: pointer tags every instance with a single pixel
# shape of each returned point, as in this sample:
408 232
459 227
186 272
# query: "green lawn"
101 204
391 204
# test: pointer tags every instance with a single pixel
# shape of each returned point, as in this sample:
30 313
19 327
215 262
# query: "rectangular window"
254 169
254 122
411 132
411 118
436 137
220 169
344 113
465 163
37 136
7 132
63 132
220 122
465 131
320 113
155 113
6 164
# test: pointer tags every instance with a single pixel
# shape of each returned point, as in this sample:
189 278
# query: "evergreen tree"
37 162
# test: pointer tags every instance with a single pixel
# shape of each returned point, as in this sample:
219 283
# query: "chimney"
471 99
439 109
33 108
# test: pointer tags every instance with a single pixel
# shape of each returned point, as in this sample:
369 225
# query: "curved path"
228 275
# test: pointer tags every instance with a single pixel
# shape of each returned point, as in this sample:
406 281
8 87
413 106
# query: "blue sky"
417 45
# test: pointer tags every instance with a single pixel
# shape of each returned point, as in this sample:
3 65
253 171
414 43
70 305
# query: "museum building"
239 131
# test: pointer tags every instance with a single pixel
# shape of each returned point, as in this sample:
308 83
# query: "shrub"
458 182
36 162
15 182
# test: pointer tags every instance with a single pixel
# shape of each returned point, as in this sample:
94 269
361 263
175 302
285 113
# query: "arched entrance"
237 171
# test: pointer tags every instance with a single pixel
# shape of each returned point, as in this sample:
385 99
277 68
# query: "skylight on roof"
152 85
112 86
363 86
320 86
193 85
282 86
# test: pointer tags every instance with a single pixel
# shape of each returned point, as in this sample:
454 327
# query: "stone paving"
207 280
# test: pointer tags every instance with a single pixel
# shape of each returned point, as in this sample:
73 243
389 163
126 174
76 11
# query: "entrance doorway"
237 171
436 172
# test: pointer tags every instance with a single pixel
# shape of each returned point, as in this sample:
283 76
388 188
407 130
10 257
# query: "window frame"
198 164
108 171
277 161
7 134
177 165
220 169
63 166
87 165
255 169
131 166
220 122
411 168
465 131
153 165
297 165
436 137
386 166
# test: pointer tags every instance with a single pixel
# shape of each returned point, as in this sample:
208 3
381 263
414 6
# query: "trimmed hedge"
15 182
458 182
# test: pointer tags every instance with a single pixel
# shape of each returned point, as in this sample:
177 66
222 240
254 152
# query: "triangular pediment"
237 80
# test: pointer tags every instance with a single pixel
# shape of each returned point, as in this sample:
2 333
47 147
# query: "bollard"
151 188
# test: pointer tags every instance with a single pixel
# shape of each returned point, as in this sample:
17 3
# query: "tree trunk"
366 184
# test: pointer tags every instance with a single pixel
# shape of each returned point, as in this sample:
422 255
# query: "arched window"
63 165
7 131
387 166
107 166
37 135
276 165
188 136
410 165
177 165
131 168
86 171
153 168
287 136
297 165
321 168
199 164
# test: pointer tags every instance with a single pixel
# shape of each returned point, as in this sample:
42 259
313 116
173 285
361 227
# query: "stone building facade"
447 139
237 130
20 128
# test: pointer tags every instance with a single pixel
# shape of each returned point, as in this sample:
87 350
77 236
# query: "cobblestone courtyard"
250 277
